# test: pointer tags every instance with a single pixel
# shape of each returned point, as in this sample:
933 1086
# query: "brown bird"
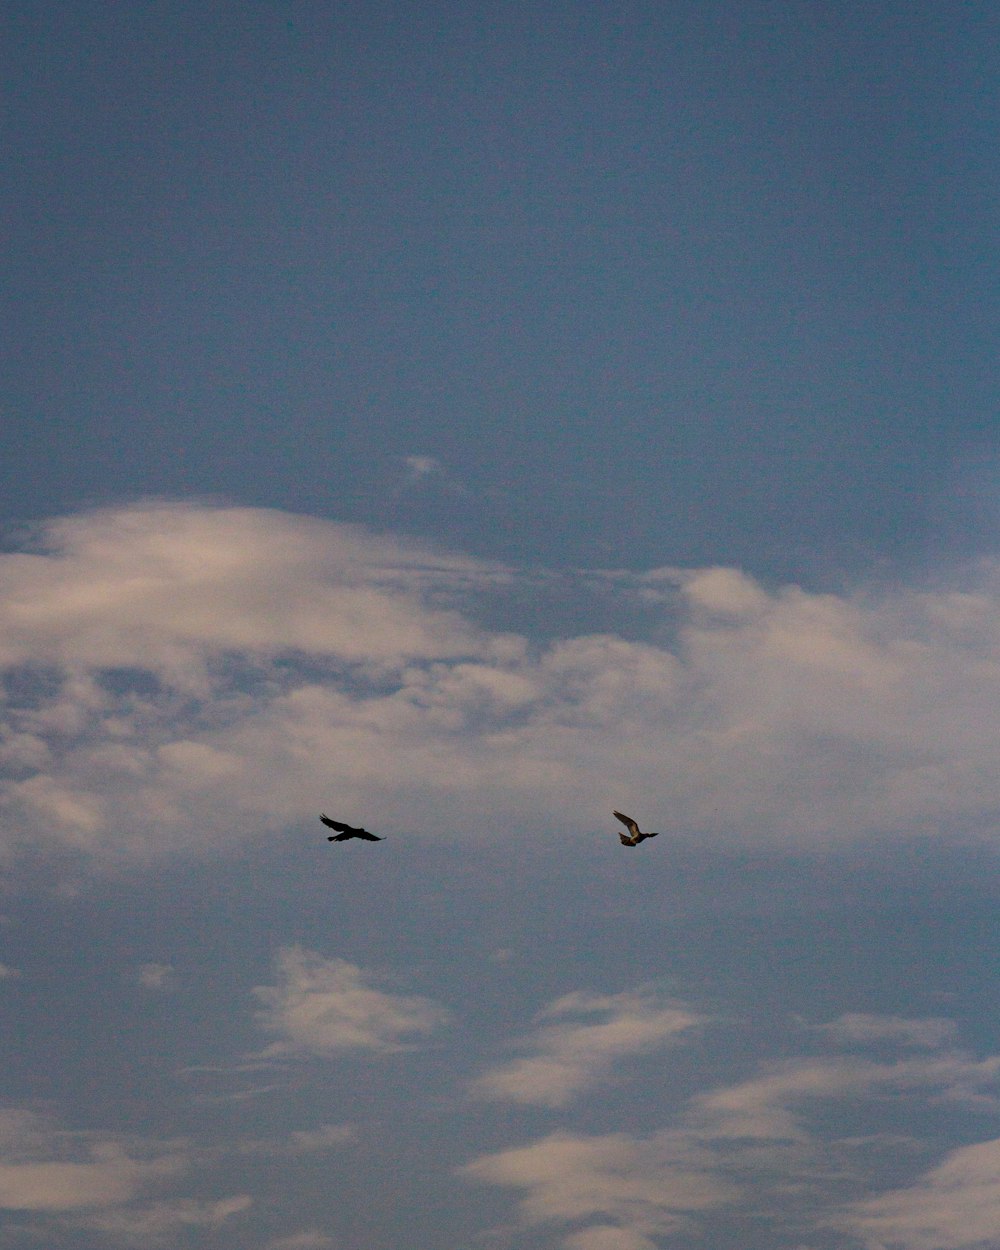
637 835
344 832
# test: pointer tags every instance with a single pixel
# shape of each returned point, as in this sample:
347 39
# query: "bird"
637 835
344 832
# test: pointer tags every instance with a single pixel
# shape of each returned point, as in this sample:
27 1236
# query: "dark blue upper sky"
652 283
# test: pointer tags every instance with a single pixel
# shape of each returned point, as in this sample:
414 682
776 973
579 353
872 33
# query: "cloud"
320 1140
161 1223
927 1033
65 1186
309 1239
324 1007
767 1143
175 674
571 1056
301 1141
162 587
953 1206
428 471
8 974
43 1168
99 1181
636 1189
608 1237
420 467
326 1137
156 976
768 1106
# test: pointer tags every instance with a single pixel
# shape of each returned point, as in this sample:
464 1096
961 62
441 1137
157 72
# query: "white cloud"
430 473
954 1206
43 1168
156 976
309 1239
420 467
326 1137
161 1223
301 1142
99 1181
163 587
325 1007
765 1143
926 1033
608 1237
634 1188
769 1106
179 673
572 1055
66 1186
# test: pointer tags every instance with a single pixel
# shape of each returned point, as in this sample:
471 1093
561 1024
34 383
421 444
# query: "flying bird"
637 835
345 832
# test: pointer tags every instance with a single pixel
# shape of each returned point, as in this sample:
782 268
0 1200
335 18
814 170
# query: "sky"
467 421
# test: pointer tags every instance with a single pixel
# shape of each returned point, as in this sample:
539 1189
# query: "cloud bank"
176 676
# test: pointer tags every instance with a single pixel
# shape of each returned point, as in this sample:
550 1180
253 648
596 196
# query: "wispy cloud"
592 1032
766 1140
928 1033
953 1206
635 1188
162 1223
326 1006
301 1141
326 1137
156 976
43 1168
308 1239
173 672
429 471
99 1181
768 1105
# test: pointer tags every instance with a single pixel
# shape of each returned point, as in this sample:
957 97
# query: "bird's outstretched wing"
628 822
345 832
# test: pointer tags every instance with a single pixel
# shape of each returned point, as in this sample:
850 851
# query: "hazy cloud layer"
179 675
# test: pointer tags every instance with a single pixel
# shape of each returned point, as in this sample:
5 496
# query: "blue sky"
468 420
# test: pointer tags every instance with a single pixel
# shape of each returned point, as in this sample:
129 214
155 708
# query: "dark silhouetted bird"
637 835
344 832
